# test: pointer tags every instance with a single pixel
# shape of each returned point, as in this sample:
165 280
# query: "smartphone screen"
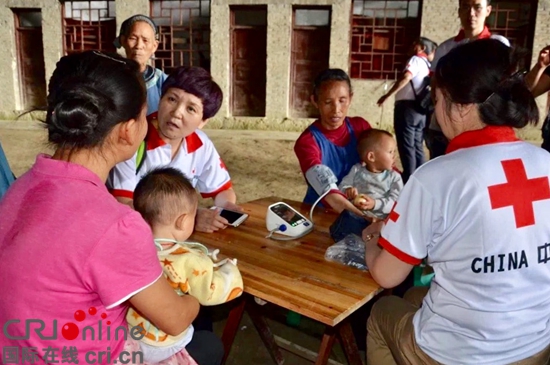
230 215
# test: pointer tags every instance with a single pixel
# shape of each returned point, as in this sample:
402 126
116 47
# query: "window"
184 27
88 25
515 20
382 36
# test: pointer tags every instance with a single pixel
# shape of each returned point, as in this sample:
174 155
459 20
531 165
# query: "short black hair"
369 140
426 43
163 194
328 75
460 2
484 72
199 82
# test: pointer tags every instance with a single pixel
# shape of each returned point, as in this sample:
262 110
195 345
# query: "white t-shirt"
197 159
419 68
452 43
481 216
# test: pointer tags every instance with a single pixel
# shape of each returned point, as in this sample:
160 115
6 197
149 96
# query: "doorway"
310 56
248 60
30 58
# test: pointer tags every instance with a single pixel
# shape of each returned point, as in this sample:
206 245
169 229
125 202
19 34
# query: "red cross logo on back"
393 216
519 192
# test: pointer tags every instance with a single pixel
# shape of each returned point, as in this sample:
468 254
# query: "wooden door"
30 57
248 60
310 56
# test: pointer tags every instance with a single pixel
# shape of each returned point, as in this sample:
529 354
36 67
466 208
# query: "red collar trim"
152 138
485 33
192 142
481 137
422 55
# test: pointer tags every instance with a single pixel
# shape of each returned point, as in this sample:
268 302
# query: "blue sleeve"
6 176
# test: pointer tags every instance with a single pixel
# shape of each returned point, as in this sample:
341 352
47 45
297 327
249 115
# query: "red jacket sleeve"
307 151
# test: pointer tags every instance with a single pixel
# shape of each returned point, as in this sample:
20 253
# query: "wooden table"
293 275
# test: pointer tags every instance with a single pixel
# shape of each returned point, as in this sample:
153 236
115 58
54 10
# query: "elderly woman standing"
139 38
480 216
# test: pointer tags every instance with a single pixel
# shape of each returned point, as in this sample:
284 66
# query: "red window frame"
382 37
87 27
515 20
184 33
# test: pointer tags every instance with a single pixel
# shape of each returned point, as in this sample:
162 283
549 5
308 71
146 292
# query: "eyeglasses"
108 57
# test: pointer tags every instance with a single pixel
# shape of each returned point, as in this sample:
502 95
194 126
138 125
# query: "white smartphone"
234 218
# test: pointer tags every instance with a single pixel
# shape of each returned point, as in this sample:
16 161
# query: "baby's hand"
351 193
364 202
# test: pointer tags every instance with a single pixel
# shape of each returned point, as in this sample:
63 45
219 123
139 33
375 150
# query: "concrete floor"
248 347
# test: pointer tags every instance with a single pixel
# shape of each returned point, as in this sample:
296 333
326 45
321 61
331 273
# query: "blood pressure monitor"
283 219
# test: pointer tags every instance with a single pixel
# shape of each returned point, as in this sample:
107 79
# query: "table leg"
265 332
347 340
326 346
232 325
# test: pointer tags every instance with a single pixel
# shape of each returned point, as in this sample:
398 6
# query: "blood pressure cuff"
321 178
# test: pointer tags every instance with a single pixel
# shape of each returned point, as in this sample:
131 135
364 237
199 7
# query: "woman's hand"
372 231
382 100
386 269
232 206
544 57
209 220
160 304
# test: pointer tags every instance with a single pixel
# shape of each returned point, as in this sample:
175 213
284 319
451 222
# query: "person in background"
332 139
479 214
409 117
538 81
472 15
140 39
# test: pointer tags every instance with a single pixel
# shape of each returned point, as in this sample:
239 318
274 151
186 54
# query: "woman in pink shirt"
73 258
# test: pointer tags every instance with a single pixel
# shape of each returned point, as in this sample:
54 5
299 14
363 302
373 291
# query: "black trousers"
409 125
206 348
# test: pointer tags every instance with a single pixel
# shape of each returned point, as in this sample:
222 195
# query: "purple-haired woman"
189 98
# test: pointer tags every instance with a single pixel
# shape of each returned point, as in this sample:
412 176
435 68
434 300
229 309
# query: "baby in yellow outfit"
168 202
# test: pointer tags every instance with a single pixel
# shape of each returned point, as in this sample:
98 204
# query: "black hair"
484 72
163 194
90 93
328 75
460 2
428 45
199 82
369 139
